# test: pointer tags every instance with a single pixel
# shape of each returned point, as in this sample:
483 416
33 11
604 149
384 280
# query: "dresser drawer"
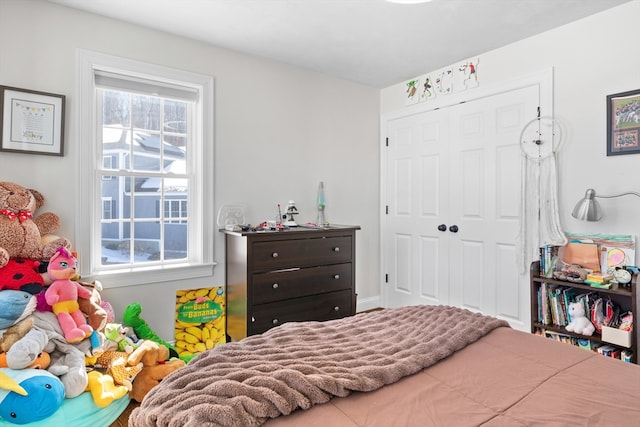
272 255
327 306
284 284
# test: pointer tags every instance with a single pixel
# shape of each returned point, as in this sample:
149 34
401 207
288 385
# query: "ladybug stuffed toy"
22 274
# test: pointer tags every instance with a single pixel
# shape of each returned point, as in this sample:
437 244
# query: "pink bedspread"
298 365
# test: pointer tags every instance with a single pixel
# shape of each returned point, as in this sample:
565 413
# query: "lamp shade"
588 208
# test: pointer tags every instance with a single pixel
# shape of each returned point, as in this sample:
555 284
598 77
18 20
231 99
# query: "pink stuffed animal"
62 295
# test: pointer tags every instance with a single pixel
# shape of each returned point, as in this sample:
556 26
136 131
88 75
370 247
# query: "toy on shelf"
63 296
291 211
579 324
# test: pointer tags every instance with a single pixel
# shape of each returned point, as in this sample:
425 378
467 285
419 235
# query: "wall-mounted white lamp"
588 208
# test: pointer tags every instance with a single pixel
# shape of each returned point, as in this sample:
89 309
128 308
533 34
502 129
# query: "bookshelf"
625 298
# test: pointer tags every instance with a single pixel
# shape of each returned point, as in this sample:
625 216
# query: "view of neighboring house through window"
148 156
146 138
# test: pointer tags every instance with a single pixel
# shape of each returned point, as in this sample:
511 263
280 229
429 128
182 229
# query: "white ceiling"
372 42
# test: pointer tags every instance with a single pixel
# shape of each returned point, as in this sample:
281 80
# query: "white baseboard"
364 304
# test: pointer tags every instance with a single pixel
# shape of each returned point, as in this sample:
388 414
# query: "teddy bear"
14 333
21 229
153 357
62 295
579 324
93 307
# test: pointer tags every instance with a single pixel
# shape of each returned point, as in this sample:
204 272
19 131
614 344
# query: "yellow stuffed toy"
103 390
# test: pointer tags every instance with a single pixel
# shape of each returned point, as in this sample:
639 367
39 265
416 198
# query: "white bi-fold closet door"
451 203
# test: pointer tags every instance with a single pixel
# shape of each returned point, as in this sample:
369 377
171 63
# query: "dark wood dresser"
298 274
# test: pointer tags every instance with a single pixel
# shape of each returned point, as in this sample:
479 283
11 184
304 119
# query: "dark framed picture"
623 123
31 121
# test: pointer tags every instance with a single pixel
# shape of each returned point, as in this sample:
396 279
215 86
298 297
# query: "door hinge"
386 210
386 141
386 278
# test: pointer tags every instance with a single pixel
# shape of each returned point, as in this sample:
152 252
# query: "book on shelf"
548 259
599 277
604 349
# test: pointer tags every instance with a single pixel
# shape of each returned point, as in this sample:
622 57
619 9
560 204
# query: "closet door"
452 184
485 203
415 245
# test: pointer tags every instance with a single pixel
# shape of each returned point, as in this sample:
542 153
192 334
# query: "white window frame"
89 197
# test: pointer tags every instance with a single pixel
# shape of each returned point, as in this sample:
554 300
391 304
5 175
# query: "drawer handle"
336 249
274 255
336 308
275 321
275 286
336 276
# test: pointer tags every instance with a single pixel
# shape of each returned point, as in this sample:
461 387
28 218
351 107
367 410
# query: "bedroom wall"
279 130
591 58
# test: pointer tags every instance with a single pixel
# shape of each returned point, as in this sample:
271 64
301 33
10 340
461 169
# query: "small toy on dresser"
63 296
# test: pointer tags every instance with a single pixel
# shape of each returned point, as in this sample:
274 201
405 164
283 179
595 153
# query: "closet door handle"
453 229
442 227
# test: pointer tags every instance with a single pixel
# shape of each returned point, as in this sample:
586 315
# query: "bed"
409 366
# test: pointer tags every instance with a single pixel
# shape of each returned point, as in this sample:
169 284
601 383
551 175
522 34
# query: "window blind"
143 86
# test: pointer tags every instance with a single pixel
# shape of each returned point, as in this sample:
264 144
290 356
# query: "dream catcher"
540 140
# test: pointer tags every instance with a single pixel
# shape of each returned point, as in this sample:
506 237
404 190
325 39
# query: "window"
108 163
107 208
149 132
175 211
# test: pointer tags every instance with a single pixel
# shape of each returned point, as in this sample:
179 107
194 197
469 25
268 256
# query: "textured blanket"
298 365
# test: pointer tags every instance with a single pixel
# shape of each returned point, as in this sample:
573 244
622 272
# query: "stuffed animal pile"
52 325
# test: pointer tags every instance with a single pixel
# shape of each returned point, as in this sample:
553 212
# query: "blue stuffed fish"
28 395
15 306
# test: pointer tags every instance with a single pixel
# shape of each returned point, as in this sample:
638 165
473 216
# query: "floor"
123 419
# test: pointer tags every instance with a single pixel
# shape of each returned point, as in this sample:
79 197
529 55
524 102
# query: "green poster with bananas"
200 320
